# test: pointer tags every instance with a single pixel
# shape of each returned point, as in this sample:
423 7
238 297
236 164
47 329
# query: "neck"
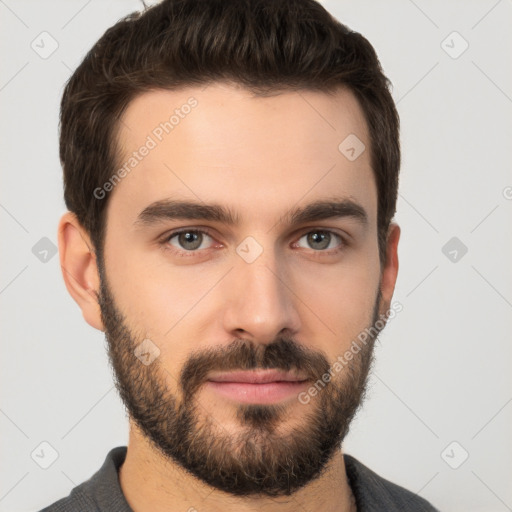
152 483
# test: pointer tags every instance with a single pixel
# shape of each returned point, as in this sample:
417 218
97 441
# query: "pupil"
190 237
319 237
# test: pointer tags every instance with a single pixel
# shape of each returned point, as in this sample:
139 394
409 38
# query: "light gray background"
443 369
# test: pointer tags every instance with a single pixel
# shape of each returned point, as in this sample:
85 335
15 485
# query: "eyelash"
185 254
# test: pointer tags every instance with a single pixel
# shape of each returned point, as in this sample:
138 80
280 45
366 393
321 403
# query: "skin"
260 157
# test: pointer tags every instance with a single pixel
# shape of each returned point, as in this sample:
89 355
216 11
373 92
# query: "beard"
260 459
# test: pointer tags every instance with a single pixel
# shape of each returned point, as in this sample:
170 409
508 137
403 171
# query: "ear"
79 268
389 270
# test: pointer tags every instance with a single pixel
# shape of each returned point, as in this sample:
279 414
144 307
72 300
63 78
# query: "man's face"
264 292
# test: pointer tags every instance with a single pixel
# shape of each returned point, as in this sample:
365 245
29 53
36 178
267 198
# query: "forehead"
259 155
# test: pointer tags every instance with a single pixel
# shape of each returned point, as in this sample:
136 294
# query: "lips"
256 386
257 377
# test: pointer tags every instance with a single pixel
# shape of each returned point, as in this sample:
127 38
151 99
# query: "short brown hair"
263 45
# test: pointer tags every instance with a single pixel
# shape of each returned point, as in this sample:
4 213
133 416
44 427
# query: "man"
231 171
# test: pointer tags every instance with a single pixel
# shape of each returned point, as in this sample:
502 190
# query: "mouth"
257 386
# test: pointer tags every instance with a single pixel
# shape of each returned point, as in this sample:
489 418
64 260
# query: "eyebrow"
170 209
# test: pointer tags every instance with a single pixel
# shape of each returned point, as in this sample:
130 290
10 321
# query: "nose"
260 301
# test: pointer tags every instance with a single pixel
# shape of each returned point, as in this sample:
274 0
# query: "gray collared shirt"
102 492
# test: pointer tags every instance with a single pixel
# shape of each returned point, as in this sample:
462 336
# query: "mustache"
242 354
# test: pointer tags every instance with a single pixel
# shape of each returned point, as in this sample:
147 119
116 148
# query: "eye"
190 242
187 240
320 240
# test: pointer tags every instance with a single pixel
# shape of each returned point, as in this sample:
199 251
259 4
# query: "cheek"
162 302
152 293
342 298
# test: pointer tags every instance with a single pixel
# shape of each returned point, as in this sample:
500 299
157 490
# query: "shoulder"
374 493
101 492
78 499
